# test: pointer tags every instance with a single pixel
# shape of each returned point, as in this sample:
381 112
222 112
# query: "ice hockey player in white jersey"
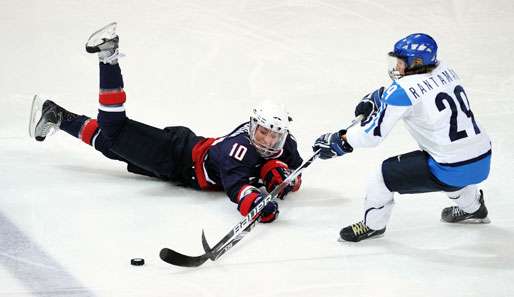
455 151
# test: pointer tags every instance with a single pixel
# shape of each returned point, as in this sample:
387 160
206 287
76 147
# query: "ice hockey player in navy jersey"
455 151
246 163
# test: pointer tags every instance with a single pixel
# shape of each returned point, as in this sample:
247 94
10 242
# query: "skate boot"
358 232
454 214
45 118
105 42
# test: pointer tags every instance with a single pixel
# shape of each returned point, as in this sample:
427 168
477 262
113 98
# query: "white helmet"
275 121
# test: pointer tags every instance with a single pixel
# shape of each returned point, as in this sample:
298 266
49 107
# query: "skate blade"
485 220
477 221
351 242
35 114
98 37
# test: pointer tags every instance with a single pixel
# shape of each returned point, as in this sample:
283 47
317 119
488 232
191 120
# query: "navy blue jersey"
232 161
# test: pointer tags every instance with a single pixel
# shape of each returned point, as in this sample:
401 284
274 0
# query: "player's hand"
370 103
331 145
273 173
270 212
251 197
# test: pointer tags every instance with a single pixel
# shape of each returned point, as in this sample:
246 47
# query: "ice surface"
71 220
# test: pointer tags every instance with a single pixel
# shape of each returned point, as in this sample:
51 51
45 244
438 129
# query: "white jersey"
437 113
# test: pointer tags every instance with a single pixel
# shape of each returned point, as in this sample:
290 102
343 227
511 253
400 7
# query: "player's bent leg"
409 173
406 174
378 206
111 116
147 150
48 117
470 207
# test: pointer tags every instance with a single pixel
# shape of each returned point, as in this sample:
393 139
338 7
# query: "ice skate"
105 42
454 214
358 232
45 118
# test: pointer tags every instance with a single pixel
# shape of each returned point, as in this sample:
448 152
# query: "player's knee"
376 190
111 123
376 181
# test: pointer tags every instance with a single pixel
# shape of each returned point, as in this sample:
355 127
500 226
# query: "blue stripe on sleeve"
395 95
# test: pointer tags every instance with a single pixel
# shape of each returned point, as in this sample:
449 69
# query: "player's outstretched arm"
332 145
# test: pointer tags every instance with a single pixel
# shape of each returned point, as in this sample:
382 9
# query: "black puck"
137 261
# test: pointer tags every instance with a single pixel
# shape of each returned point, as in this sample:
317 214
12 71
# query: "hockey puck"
137 261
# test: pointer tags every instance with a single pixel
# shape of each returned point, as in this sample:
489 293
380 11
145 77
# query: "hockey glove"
370 103
273 173
249 197
332 145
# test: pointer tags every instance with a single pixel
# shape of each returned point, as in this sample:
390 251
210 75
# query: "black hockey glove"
370 103
332 145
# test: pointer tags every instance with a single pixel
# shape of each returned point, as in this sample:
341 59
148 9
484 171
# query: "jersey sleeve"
396 104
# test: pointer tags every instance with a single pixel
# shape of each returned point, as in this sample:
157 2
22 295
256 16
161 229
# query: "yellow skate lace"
359 228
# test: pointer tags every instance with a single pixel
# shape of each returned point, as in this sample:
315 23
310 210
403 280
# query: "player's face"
400 66
266 137
396 67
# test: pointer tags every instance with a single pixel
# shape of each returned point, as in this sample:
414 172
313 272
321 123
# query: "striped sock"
89 132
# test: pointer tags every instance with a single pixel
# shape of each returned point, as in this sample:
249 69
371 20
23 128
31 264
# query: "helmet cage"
416 68
277 123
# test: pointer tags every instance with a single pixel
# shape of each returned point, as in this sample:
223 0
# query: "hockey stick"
236 233
240 230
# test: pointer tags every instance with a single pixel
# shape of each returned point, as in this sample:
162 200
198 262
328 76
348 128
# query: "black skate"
105 42
45 118
358 232
454 214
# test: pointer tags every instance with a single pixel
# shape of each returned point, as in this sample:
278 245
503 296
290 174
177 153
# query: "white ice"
71 220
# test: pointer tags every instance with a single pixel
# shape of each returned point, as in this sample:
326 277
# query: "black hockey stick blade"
175 258
206 246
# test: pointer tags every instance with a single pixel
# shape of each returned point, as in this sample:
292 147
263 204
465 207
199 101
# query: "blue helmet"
416 50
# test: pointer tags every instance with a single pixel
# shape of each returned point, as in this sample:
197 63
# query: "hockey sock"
110 77
72 123
89 131
466 198
84 128
378 203
111 112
